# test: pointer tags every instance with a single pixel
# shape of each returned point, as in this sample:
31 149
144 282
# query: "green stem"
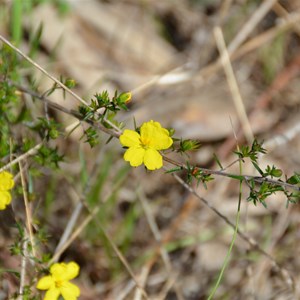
226 261
16 21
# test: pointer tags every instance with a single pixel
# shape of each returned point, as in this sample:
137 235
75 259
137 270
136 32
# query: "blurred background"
165 53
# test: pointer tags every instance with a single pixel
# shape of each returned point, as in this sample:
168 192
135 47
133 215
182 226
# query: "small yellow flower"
6 183
57 283
144 147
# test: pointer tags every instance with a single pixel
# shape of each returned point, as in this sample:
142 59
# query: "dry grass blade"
234 89
27 210
23 267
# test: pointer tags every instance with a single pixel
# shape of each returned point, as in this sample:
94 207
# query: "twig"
245 178
30 152
70 112
81 100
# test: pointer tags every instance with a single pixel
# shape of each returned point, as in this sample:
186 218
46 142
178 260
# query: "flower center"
58 283
145 143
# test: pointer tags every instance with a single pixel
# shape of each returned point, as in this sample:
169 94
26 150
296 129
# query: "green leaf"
258 168
295 179
35 40
176 169
218 161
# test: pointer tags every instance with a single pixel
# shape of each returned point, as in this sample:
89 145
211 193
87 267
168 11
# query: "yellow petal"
58 270
6 181
63 271
72 270
70 291
130 138
52 294
155 136
152 159
135 156
45 283
5 199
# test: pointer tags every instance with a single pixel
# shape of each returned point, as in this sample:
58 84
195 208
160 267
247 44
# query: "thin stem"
70 112
245 178
30 152
5 41
226 261
116 134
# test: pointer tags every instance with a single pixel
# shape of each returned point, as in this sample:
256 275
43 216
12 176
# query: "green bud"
70 83
125 98
53 134
295 179
189 145
171 131
276 173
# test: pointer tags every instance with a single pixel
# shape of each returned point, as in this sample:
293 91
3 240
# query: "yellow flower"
144 147
57 283
6 183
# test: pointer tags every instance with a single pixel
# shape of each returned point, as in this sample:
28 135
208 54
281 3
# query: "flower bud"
125 97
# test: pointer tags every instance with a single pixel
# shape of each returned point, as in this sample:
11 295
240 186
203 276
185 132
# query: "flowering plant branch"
266 180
